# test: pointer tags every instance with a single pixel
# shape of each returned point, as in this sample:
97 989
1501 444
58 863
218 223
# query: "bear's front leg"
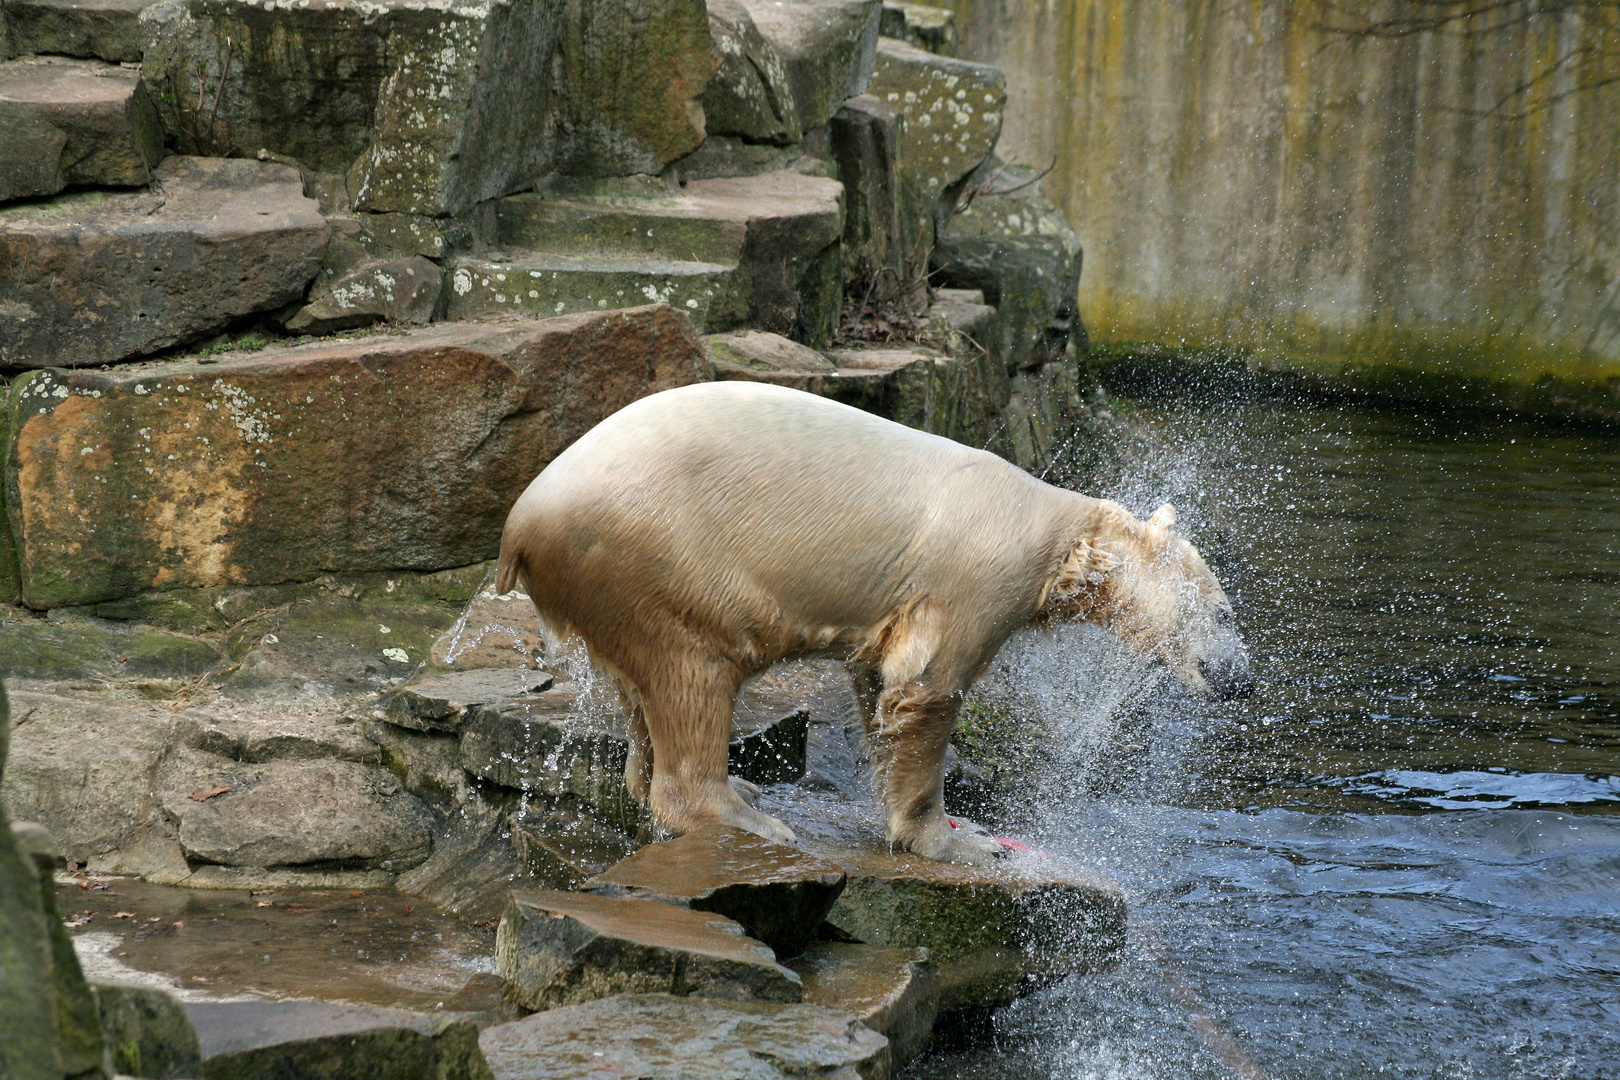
909 740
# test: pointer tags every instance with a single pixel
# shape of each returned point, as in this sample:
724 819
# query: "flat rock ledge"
895 992
557 948
779 895
684 1038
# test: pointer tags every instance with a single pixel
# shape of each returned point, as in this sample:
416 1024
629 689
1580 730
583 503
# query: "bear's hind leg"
687 707
638 763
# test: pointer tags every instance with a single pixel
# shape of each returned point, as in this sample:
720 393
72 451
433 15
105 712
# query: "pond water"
1401 857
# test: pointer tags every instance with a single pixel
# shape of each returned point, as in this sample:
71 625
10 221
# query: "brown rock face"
558 948
895 992
92 279
778 894
374 453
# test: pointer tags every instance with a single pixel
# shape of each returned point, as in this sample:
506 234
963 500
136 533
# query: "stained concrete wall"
1443 205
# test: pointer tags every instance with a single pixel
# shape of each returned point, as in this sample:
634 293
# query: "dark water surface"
1401 857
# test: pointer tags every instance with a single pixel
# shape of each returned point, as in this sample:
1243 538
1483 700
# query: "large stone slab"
79 122
557 948
953 111
539 284
336 814
255 1040
365 454
633 74
104 29
430 107
893 991
779 895
750 95
91 279
680 1038
828 46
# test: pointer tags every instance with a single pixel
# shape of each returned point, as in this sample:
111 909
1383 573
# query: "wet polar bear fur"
701 534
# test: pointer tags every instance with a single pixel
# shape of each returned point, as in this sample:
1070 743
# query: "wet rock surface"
682 1037
440 702
74 122
250 1040
557 948
757 356
893 991
779 895
213 240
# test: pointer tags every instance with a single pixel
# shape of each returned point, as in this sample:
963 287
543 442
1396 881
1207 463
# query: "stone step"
893 991
92 279
828 49
679 1038
779 895
761 243
102 29
559 948
348 454
74 123
440 702
249 1040
542 284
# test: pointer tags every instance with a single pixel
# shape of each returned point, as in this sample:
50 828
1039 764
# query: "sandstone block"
79 122
92 279
895 992
104 29
828 47
634 72
543 283
953 111
365 454
678 1038
294 813
403 292
779 895
493 631
430 108
440 702
751 94
557 948
251 1040
147 1032
932 29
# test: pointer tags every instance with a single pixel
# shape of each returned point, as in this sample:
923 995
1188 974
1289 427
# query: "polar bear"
703 533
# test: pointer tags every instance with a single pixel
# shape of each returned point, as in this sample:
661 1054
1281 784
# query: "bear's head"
1152 589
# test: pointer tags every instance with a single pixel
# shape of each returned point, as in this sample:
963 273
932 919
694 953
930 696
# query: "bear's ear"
1163 518
1086 564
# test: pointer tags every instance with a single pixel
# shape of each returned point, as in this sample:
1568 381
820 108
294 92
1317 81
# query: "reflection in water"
1401 857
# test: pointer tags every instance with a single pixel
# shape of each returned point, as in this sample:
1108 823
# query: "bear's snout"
1226 673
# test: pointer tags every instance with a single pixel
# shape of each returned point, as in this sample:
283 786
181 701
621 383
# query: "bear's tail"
507 571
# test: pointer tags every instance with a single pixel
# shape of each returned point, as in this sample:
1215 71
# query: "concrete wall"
1338 203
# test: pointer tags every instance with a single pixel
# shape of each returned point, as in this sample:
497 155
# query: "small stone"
557 948
251 1040
91 278
79 122
779 895
893 991
103 29
440 702
403 292
148 1032
678 1038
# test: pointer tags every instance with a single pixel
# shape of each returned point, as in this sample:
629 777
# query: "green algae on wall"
1443 206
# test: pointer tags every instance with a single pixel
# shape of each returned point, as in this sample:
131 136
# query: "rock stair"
730 252
104 29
